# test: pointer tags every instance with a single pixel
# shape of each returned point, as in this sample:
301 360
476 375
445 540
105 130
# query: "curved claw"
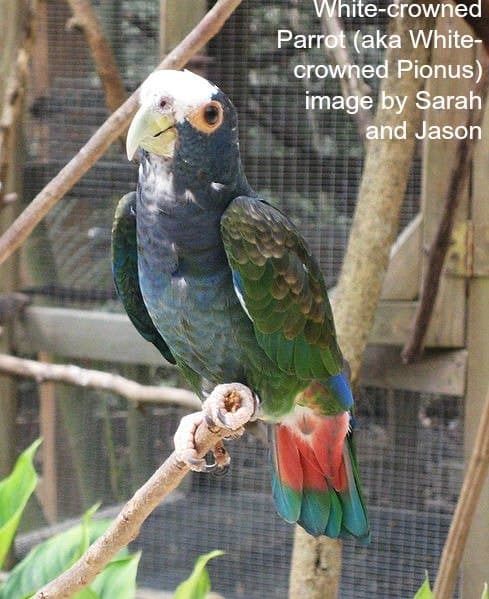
221 416
221 470
211 468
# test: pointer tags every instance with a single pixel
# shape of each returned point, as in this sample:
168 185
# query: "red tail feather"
289 467
310 451
315 483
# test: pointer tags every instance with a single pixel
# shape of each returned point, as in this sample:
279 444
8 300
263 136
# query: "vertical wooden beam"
48 427
40 81
11 30
447 327
476 559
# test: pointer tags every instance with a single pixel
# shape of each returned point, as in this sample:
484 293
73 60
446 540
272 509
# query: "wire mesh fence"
411 469
410 445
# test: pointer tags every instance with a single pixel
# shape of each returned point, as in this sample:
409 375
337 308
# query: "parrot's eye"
207 118
211 114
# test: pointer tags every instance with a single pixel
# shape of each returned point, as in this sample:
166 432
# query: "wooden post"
48 427
476 560
447 328
11 30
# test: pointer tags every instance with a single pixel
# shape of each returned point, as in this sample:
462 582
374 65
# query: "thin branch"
126 526
464 512
96 379
101 140
85 18
350 86
439 247
13 100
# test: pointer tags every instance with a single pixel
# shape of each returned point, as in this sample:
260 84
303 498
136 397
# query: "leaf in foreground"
425 590
15 491
198 584
118 578
49 559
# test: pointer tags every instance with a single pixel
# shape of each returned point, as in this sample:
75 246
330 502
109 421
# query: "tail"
315 480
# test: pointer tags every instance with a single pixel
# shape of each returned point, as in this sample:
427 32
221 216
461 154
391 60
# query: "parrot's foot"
224 408
184 441
222 459
228 407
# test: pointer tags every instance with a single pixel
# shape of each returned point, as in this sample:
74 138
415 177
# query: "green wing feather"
281 288
125 272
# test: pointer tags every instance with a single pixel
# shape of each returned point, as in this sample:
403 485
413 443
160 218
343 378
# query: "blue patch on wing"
340 387
238 288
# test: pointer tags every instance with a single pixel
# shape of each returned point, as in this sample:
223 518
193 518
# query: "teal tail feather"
315 480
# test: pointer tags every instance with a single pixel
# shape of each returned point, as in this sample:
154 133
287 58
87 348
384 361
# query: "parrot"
225 287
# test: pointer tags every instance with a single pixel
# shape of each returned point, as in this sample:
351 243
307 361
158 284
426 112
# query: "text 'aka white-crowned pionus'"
223 284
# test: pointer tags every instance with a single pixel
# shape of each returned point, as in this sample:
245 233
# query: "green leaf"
48 560
87 593
85 528
198 584
425 590
118 579
485 592
15 491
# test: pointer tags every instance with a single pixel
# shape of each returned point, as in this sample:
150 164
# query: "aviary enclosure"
417 421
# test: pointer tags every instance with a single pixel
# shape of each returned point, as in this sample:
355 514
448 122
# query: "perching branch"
85 18
13 99
441 243
126 526
467 503
101 140
96 379
350 86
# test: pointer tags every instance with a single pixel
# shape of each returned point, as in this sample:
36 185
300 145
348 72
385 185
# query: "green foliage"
50 558
15 491
54 556
198 584
118 579
425 591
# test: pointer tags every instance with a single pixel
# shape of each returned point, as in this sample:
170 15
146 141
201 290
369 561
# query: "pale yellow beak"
152 131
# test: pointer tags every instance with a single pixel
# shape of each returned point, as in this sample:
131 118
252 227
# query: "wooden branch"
350 86
101 140
96 379
13 100
85 18
126 526
464 512
414 345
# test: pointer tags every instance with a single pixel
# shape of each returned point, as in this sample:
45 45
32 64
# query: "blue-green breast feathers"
125 273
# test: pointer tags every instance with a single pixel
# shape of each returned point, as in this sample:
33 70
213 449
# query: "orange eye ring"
207 118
